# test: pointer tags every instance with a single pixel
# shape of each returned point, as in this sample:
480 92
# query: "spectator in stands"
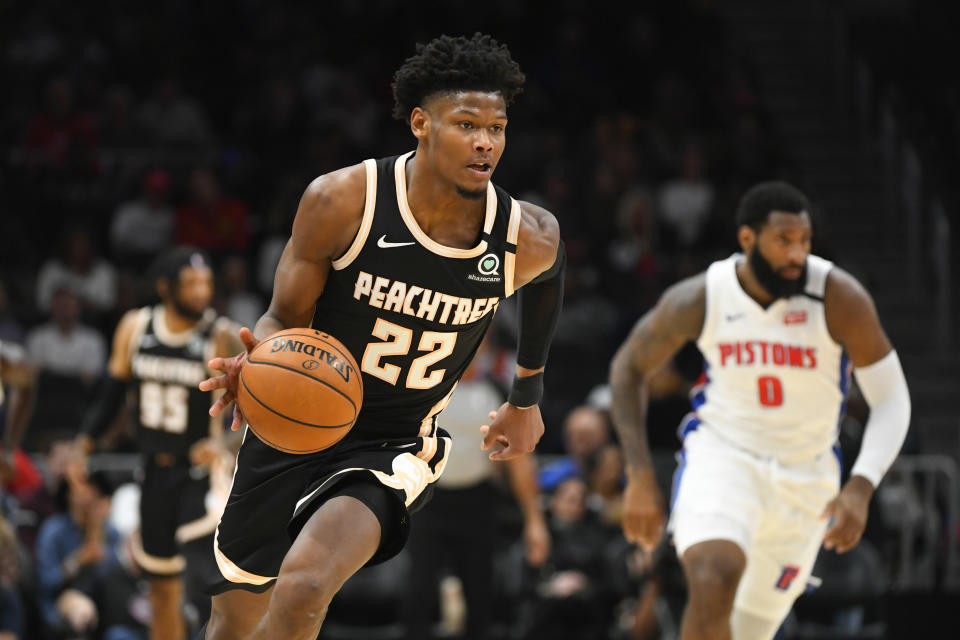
234 297
687 201
79 268
143 227
585 431
118 129
64 346
211 220
60 138
172 119
75 548
605 483
571 597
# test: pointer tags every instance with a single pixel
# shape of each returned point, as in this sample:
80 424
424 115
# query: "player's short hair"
170 262
763 198
448 64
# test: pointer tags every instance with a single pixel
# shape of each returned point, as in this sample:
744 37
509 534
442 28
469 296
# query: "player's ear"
163 288
420 123
747 237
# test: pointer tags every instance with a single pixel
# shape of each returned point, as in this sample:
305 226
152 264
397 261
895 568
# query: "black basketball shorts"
275 493
175 509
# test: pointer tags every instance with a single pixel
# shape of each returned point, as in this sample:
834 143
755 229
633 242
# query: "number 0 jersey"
775 382
410 310
170 412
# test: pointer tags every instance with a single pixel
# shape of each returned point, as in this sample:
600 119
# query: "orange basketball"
300 390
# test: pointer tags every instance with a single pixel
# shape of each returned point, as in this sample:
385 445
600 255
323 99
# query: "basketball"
300 390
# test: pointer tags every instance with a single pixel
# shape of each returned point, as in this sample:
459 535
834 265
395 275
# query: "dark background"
639 127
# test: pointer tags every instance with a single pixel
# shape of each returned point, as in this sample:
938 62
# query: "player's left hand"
512 431
229 380
849 512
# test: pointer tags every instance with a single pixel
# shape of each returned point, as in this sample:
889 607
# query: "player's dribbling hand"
512 431
849 512
642 509
231 370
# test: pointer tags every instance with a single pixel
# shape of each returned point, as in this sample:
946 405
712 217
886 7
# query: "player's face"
778 255
194 291
465 135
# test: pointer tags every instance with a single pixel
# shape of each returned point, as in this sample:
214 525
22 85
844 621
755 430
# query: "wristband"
526 392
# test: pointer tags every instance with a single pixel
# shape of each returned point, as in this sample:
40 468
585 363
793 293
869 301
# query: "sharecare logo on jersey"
489 264
762 352
411 300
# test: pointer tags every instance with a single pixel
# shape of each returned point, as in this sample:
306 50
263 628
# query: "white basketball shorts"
770 510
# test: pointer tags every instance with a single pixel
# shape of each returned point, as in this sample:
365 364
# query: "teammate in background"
159 353
404 260
19 377
756 491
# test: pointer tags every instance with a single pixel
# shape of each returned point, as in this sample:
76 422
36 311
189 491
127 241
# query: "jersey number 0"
396 342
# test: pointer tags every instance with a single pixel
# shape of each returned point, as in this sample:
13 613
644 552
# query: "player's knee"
305 589
713 576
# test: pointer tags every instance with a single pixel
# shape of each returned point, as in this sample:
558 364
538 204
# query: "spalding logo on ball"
300 390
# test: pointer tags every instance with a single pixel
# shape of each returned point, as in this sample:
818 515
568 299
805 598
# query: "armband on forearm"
540 304
526 392
885 389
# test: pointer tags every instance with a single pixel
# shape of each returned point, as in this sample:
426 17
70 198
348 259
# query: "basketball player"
405 260
159 353
756 491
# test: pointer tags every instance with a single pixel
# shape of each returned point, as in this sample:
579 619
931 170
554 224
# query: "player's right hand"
642 509
231 370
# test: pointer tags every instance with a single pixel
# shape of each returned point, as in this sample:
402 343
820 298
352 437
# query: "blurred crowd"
123 132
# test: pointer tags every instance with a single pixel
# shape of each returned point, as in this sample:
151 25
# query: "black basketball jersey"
410 310
170 412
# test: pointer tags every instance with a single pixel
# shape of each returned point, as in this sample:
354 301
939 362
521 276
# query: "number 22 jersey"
775 381
410 310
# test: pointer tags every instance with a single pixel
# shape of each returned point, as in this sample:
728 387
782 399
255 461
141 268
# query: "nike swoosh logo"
383 244
734 316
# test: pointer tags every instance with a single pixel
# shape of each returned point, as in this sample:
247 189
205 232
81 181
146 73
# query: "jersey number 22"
397 342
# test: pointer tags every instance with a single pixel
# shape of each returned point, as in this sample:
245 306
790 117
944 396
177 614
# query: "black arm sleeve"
540 302
104 409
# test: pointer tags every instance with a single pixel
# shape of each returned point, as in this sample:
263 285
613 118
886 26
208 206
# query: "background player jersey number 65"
164 406
397 341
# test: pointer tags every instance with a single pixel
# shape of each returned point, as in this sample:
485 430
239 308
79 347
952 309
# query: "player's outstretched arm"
327 220
853 322
539 269
676 319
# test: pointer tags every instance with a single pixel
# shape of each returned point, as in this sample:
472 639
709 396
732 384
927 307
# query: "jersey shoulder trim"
410 221
817 271
140 327
369 205
510 257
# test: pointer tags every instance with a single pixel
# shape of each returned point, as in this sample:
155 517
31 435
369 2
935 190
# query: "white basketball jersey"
774 382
